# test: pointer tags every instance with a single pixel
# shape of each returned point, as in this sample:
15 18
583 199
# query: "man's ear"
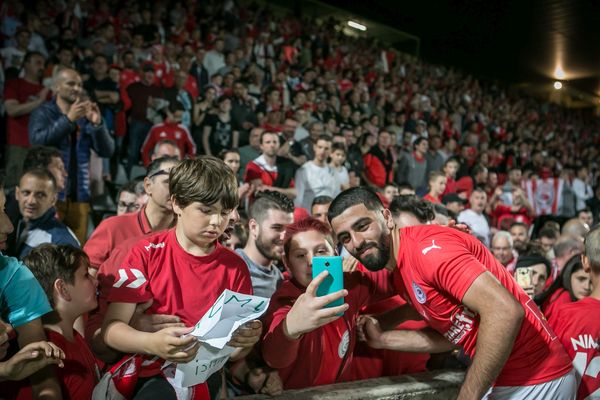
586 263
147 185
61 290
389 221
253 228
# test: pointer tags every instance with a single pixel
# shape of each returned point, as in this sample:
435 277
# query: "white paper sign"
214 331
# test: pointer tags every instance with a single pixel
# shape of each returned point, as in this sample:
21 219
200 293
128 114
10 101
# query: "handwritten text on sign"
214 330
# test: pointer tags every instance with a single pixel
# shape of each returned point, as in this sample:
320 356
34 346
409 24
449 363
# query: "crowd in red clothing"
299 112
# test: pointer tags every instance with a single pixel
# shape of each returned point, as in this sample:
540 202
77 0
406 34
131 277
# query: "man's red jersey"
578 327
436 267
113 231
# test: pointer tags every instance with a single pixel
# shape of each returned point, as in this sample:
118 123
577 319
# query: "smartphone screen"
523 277
334 282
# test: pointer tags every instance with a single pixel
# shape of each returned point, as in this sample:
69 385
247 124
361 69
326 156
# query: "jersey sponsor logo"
463 321
344 343
419 293
138 278
428 249
154 246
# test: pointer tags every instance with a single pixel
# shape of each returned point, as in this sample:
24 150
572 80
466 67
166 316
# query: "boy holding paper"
308 344
183 270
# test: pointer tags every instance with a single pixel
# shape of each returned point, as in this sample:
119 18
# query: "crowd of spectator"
134 103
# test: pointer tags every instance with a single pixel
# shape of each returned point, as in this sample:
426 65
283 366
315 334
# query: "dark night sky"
512 40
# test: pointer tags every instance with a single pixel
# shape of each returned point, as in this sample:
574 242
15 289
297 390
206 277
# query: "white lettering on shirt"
428 249
584 342
155 246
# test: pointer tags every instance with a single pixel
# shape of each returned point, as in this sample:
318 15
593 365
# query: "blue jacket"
48 126
45 229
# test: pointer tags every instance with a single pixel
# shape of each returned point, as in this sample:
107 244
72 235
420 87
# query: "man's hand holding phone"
309 313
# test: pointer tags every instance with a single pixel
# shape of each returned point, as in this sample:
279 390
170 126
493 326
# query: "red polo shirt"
113 231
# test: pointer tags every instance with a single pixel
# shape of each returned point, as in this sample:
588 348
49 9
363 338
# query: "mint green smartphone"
334 281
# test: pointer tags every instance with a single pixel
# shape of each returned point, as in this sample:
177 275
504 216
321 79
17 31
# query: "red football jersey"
578 328
181 284
177 133
436 267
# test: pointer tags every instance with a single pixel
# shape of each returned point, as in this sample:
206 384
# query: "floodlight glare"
557 85
559 73
356 25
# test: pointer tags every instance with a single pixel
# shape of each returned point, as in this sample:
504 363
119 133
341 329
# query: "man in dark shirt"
103 90
142 94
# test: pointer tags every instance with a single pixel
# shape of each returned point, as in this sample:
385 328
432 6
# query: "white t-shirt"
312 181
478 224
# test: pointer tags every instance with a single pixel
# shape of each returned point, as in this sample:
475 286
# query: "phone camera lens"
327 264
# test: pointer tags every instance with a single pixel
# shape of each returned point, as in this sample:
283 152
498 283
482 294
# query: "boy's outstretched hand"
308 312
31 359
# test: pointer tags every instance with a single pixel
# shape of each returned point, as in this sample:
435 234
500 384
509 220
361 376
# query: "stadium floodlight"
356 25
559 73
557 85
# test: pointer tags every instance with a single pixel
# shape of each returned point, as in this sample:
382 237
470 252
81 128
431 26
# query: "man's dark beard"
375 262
266 250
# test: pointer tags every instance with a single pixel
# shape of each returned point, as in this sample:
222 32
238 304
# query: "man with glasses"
131 197
156 215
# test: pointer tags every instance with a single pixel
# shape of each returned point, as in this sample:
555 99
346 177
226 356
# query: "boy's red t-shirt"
77 378
181 284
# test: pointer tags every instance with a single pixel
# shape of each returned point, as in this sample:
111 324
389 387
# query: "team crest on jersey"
154 246
344 343
419 293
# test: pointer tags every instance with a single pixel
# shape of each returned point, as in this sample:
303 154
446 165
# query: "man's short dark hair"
40 157
409 203
262 135
31 54
269 200
40 173
548 233
2 179
522 224
418 141
155 165
135 187
325 137
352 197
321 200
338 146
583 210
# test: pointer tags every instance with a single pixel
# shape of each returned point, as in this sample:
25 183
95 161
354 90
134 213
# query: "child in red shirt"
183 270
437 187
310 345
62 271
